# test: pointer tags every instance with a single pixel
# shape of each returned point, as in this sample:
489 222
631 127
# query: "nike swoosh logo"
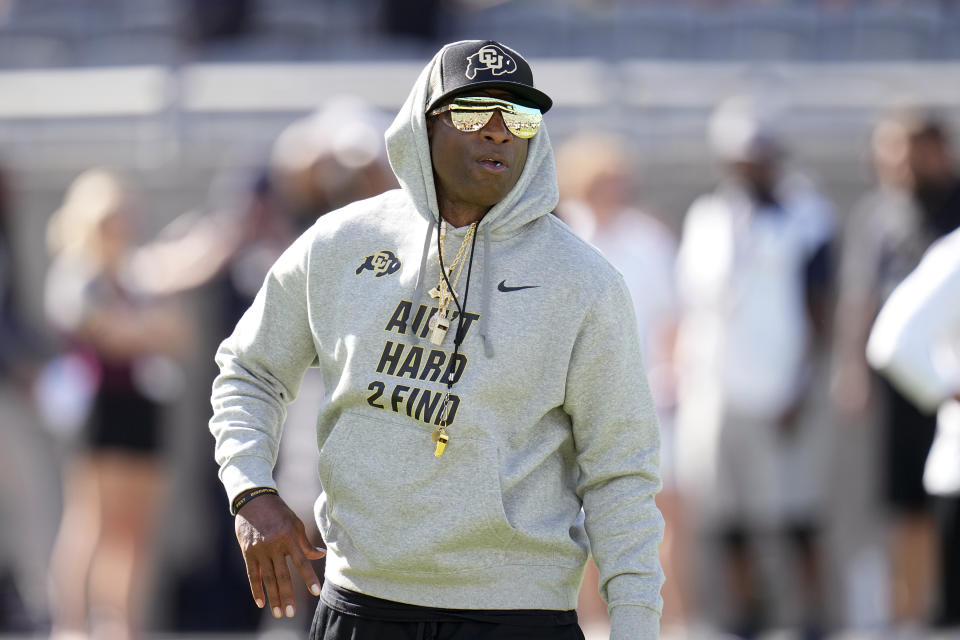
503 287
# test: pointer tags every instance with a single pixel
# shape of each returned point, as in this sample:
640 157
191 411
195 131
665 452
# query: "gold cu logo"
490 58
382 263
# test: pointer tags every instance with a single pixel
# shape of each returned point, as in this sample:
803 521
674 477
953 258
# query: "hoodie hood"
535 194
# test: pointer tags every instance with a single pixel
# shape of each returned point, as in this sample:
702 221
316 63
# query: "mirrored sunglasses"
472 113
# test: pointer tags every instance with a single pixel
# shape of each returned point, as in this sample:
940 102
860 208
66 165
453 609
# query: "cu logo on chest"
381 263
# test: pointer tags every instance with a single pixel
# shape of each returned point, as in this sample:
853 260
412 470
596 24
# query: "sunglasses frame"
487 104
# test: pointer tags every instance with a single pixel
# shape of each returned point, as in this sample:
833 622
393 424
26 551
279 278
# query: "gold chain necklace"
445 293
440 322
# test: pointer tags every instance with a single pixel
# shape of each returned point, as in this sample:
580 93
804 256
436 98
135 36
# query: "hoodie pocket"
393 506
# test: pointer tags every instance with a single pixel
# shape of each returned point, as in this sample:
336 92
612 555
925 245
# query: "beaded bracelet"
249 495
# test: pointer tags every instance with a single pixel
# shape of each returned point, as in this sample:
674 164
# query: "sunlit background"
188 99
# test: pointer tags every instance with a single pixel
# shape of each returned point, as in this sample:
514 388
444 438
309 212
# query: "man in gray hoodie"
487 421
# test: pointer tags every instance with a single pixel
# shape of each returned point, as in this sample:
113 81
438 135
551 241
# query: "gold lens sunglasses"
472 113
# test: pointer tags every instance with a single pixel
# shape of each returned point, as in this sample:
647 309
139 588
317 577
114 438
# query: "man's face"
477 168
929 161
756 174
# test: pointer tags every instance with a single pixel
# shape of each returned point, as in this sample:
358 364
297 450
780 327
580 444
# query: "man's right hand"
269 532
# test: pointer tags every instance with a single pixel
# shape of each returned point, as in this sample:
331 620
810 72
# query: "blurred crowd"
754 306
54 33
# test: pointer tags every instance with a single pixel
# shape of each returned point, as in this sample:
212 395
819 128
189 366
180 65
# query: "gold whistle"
441 438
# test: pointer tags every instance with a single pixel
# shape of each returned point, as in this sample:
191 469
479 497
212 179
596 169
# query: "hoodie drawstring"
485 293
484 285
421 275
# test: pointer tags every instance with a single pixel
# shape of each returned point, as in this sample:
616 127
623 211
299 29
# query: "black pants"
332 624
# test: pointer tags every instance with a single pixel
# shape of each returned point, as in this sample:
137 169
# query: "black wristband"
249 495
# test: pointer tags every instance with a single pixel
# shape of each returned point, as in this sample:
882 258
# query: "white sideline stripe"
286 87
58 93
862 85
293 87
572 83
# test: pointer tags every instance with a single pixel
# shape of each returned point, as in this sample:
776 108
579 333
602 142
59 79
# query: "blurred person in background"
223 256
916 343
21 498
857 302
917 201
318 163
121 340
329 159
753 275
598 177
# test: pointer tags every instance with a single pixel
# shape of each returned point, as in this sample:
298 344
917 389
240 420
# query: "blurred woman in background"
117 340
599 199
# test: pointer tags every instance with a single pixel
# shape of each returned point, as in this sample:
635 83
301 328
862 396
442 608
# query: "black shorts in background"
909 434
124 420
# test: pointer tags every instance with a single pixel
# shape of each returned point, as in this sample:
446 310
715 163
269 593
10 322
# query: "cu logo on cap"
490 58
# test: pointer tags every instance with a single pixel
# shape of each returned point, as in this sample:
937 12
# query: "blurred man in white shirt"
753 276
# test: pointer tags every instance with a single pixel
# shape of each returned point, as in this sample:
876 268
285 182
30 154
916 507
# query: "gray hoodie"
554 442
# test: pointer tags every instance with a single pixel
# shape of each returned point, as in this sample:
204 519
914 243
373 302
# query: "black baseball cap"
483 64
